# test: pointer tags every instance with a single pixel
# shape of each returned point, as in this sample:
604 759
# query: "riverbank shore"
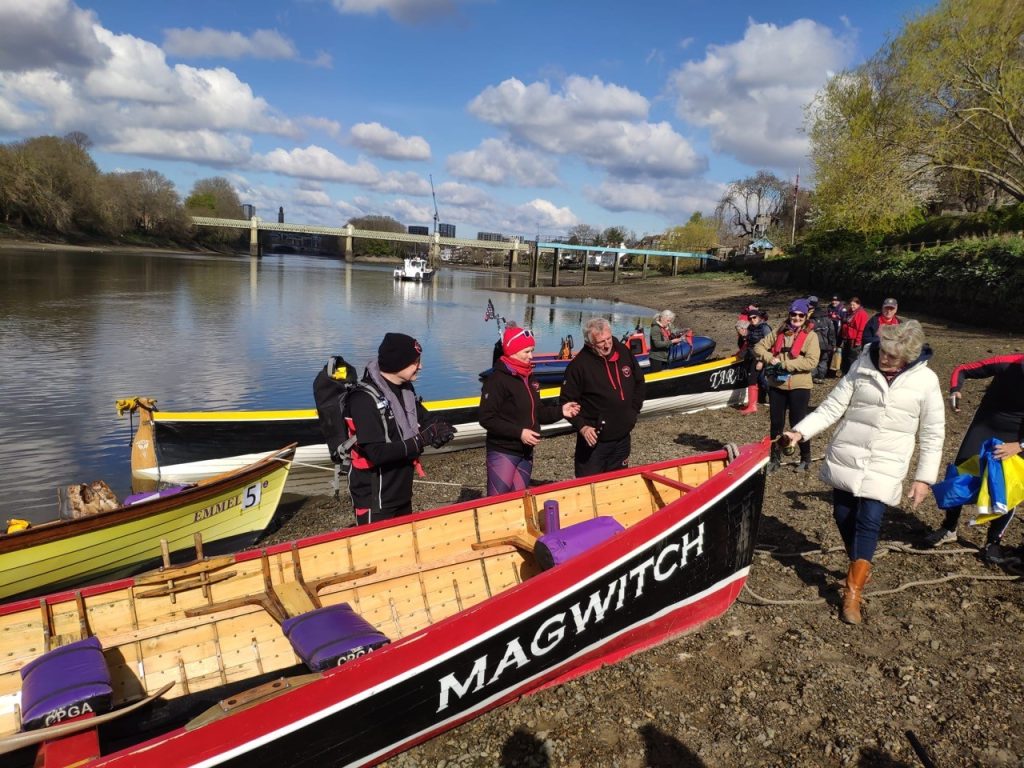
778 680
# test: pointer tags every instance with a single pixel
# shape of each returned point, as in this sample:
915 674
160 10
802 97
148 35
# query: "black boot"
775 461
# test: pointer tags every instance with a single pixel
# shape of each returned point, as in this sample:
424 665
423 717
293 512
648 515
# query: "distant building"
495 237
280 215
446 230
248 211
415 230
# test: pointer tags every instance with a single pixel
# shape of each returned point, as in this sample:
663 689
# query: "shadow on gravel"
524 750
700 443
664 751
876 758
785 539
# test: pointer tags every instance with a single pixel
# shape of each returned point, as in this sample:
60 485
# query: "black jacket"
610 391
385 487
508 405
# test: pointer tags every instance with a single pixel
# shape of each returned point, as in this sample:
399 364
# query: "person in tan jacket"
790 354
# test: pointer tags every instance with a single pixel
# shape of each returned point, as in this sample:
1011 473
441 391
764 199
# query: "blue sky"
531 116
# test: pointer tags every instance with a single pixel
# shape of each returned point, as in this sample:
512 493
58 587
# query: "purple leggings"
506 472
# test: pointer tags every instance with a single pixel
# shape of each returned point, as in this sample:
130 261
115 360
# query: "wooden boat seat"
67 682
563 544
321 636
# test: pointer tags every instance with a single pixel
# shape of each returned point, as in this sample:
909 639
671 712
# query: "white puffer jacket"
869 454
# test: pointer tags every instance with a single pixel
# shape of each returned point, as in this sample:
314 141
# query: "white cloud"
403 182
405 11
603 124
315 162
331 127
541 214
676 201
750 94
201 146
384 142
48 33
215 43
501 162
316 198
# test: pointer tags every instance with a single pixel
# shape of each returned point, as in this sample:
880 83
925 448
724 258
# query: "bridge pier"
349 255
254 237
535 266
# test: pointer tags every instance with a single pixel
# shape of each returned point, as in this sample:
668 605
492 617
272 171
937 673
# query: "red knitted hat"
515 340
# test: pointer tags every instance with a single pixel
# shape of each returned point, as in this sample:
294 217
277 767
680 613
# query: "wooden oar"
28 738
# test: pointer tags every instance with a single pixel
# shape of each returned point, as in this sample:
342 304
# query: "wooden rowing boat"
228 513
466 608
186 446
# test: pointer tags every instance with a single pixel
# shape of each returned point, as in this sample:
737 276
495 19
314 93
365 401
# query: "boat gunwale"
49 531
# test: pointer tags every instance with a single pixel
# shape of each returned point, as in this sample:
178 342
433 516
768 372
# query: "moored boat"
415 269
177 446
455 611
549 367
228 512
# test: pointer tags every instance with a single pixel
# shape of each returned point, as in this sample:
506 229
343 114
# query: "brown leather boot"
856 577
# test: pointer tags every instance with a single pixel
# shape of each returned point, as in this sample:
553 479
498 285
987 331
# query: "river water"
79 330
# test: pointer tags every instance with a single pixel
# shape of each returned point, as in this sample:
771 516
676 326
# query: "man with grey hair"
606 380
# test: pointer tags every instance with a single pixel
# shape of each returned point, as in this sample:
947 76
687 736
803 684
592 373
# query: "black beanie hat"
397 351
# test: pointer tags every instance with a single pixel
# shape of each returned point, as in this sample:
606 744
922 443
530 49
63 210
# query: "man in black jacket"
605 379
385 414
826 339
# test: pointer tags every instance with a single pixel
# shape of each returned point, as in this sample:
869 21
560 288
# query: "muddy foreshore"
778 680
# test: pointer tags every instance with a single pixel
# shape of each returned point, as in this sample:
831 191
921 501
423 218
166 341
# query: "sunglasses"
797 314
525 333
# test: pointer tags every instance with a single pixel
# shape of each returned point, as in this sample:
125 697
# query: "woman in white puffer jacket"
888 398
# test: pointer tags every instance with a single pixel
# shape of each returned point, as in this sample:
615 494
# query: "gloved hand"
436 434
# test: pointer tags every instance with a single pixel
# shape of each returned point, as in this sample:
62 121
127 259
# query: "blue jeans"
859 521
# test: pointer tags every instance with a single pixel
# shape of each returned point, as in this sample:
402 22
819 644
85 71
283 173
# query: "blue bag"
956 489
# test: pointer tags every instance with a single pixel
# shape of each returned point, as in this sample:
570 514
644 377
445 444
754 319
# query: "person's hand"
775 361
1006 450
919 491
570 410
759 366
793 437
954 401
529 437
590 435
436 434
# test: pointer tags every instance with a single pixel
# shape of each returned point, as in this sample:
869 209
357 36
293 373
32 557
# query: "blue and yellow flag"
995 486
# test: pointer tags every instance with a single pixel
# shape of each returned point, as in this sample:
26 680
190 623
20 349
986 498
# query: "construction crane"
436 217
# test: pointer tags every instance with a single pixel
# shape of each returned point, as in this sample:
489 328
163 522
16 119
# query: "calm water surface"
78 331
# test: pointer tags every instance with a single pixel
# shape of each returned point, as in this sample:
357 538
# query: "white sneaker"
939 537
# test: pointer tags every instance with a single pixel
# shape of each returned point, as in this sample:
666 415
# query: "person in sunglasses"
511 411
790 353
607 382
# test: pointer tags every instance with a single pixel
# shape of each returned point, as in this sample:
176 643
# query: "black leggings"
983 426
797 402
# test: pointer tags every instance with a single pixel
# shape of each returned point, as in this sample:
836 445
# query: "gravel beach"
778 680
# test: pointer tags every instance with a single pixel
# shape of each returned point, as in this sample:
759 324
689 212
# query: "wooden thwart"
667 481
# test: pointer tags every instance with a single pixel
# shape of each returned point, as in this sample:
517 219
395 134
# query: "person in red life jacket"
511 411
790 354
881 319
1000 414
607 382
663 336
389 439
853 333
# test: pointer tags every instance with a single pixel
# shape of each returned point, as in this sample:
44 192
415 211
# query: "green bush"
952 281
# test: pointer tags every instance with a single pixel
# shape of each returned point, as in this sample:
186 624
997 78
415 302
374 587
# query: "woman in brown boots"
889 396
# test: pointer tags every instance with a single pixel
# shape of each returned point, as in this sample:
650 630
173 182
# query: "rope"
770 550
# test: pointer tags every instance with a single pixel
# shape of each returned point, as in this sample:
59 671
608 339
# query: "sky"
529 116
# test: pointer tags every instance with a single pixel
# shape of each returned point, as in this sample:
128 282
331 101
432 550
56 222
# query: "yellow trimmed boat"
229 513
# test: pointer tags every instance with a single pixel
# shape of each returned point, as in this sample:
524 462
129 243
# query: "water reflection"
78 330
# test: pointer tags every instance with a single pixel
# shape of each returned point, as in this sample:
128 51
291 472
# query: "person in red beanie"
511 411
385 415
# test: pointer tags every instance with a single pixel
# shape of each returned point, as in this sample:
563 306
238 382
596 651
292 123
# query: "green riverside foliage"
975 281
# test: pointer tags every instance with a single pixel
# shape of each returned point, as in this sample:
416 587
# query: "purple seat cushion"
555 548
63 683
331 636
